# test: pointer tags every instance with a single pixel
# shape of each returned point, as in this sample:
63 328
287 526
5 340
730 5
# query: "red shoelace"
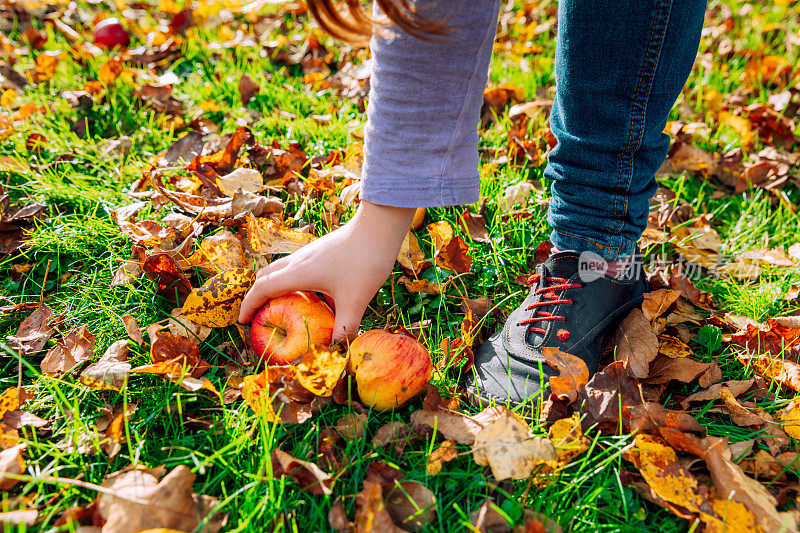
549 297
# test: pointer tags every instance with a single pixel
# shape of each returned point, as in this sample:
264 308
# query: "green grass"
83 248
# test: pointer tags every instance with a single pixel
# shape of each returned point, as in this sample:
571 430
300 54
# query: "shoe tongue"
562 264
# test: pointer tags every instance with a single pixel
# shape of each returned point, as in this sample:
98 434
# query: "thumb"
270 285
348 318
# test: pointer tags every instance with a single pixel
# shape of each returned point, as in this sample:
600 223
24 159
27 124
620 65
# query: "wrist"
388 221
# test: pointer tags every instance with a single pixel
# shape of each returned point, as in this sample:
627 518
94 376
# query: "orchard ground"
749 56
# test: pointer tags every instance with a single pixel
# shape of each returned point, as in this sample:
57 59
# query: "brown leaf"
731 483
606 393
508 446
352 426
684 369
456 426
395 433
411 505
216 304
76 346
132 329
247 89
337 517
33 332
784 372
774 338
170 280
267 237
419 285
138 501
573 373
741 415
475 226
656 302
636 343
371 513
735 388
180 324
454 256
111 371
179 350
308 476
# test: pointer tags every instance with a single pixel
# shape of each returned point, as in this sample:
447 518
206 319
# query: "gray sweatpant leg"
421 137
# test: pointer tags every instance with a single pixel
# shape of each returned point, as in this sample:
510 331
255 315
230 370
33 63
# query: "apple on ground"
390 368
110 33
287 326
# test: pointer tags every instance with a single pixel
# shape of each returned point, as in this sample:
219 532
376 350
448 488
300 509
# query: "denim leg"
620 65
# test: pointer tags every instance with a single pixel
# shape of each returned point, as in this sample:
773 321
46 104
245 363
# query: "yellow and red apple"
390 368
287 326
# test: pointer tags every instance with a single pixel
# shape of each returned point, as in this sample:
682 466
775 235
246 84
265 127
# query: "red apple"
390 368
287 326
110 33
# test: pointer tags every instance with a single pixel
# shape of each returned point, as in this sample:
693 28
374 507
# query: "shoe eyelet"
562 335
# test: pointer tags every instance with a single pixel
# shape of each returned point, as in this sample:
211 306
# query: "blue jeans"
619 66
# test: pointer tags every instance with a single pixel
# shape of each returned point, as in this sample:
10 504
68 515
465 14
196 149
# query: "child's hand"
348 265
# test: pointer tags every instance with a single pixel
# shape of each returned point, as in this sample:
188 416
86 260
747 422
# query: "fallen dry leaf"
216 304
264 236
636 343
735 387
475 226
179 350
219 252
33 332
508 447
411 505
111 371
731 483
573 373
76 346
672 347
410 256
371 514
446 452
308 476
180 324
174 371
138 501
320 369
656 302
456 426
790 417
11 462
568 438
170 280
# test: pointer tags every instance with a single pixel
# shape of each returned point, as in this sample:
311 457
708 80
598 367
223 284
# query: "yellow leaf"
8 99
267 237
216 304
741 126
791 419
410 255
219 252
673 347
319 370
256 392
568 438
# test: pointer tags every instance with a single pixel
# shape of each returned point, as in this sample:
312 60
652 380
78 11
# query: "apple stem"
278 328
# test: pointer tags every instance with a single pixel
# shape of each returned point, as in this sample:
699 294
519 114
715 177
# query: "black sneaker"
566 309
